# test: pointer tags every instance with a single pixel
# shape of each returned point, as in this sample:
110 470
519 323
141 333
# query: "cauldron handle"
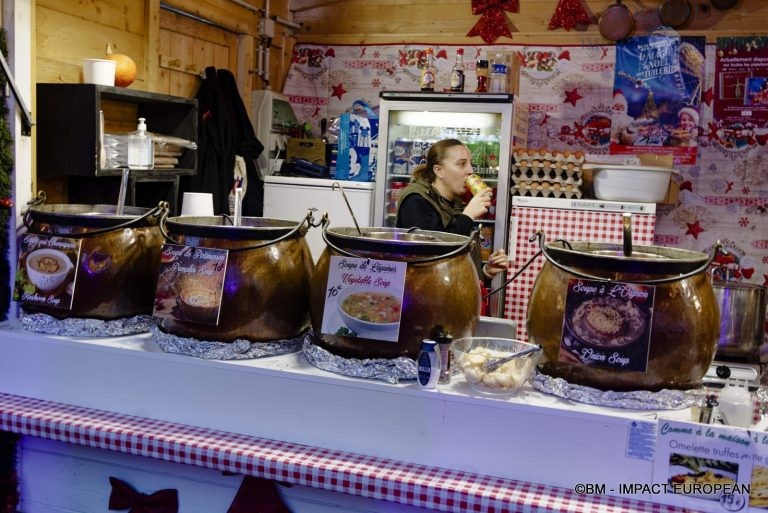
161 209
457 251
307 219
659 281
39 200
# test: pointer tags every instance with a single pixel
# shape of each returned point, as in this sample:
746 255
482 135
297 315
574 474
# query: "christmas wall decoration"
568 14
724 195
493 22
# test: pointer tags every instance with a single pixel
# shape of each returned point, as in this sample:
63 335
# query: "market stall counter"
283 419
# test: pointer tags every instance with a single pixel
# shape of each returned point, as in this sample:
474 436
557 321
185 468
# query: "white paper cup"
197 204
99 71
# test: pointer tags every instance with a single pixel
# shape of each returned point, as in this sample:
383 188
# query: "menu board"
607 324
657 95
47 270
190 284
704 467
758 491
364 298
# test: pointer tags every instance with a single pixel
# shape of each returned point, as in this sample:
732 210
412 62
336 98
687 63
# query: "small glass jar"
482 76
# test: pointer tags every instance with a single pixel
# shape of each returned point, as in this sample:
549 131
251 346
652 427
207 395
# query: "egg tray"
527 175
547 190
529 155
536 164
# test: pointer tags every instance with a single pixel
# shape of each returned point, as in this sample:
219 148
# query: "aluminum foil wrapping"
634 400
239 349
391 370
84 327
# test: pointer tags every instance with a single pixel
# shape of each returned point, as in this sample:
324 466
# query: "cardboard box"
312 150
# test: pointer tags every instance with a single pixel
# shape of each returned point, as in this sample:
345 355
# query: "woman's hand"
497 262
478 205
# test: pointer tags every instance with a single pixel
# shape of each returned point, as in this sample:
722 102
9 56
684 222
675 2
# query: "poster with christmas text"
740 105
657 94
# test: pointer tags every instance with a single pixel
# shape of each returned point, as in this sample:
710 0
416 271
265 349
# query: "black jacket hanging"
224 131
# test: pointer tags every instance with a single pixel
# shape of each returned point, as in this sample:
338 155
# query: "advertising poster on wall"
657 94
741 81
740 99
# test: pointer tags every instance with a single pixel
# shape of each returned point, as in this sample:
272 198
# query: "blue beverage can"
401 155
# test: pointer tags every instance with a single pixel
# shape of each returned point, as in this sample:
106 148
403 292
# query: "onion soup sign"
364 298
607 324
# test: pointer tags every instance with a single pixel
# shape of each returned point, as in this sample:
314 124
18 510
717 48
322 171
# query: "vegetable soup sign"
364 298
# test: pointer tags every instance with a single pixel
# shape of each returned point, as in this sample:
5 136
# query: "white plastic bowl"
645 184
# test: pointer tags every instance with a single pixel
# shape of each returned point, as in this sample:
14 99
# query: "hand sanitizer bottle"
140 149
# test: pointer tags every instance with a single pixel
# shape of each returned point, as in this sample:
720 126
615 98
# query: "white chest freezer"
288 197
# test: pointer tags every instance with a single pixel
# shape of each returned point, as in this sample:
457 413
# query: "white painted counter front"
522 453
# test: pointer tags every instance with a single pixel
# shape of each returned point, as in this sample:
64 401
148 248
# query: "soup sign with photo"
607 324
190 283
46 270
364 298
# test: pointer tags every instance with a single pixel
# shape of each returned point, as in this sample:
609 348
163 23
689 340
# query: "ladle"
238 220
627 233
333 188
120 208
491 364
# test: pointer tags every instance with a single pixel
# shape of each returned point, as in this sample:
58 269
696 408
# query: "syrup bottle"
457 72
429 72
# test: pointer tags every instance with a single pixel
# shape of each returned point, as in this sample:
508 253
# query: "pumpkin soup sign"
364 298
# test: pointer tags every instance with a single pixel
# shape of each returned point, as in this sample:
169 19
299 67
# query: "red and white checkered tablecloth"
367 476
571 225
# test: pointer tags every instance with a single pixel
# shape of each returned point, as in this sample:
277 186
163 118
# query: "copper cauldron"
683 328
119 256
442 292
266 287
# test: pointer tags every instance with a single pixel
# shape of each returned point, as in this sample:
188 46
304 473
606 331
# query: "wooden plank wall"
448 21
68 31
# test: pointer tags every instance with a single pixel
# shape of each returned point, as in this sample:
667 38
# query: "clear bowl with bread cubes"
495 366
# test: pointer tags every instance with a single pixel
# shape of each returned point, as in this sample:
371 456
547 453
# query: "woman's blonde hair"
436 154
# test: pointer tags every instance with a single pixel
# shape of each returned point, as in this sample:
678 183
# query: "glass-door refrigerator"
409 122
